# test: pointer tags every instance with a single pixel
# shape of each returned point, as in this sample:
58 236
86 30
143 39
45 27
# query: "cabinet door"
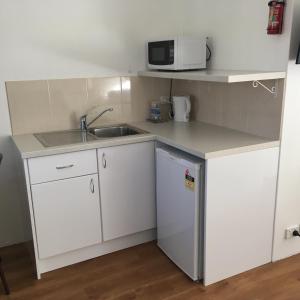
67 214
127 187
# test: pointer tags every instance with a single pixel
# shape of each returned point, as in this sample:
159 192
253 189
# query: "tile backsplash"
48 105
237 106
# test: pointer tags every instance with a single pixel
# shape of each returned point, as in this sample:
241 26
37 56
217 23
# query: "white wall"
66 38
86 38
288 195
238 32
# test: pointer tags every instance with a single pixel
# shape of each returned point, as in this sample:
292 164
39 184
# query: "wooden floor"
143 272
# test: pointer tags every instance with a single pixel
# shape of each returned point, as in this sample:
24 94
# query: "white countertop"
197 138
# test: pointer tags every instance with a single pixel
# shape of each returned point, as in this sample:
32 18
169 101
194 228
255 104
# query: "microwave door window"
161 53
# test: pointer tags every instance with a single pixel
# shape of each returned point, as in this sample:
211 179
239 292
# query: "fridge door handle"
103 161
92 186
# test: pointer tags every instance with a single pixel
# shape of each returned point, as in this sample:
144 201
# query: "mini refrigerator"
180 205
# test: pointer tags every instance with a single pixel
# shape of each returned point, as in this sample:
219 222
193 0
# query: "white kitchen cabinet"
66 214
127 187
239 212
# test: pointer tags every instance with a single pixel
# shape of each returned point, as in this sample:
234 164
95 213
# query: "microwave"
176 54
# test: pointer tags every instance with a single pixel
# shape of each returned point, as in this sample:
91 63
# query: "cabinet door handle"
103 161
92 187
65 167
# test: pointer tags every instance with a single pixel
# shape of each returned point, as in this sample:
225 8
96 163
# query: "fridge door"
178 213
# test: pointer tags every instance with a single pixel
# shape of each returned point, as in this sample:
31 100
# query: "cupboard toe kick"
89 203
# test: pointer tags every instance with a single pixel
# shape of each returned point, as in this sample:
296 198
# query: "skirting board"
70 258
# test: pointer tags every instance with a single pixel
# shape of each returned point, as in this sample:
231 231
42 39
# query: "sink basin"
114 131
67 137
61 138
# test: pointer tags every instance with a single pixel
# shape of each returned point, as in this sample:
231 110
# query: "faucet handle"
83 124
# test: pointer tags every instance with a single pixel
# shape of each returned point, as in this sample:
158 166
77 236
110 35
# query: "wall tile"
143 92
127 113
103 91
264 113
238 106
206 99
68 98
138 97
129 104
29 106
126 90
234 111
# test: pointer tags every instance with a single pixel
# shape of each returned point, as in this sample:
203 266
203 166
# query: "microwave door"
161 53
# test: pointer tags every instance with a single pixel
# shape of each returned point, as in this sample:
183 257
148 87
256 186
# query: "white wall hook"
272 90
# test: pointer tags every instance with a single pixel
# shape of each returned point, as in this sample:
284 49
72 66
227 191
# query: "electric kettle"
181 108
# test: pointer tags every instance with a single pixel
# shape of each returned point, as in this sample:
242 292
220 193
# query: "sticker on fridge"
189 180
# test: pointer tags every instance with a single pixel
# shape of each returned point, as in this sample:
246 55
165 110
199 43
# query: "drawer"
61 166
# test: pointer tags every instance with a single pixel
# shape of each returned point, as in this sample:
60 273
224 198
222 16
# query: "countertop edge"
82 147
243 149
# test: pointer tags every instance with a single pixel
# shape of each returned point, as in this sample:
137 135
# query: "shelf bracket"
272 90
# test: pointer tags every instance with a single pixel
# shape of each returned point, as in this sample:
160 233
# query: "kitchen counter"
206 140
197 138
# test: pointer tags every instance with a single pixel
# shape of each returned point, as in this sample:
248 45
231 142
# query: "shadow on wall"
96 35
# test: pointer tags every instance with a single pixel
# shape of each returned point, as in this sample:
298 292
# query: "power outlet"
289 231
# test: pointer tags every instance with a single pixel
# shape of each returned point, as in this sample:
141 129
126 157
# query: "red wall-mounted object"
276 16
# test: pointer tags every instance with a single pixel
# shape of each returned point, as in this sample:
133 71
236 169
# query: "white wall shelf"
227 76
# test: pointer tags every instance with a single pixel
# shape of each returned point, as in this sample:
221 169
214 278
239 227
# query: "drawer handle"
92 187
103 161
65 167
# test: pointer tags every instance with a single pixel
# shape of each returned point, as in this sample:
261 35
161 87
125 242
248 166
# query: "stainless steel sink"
67 137
114 131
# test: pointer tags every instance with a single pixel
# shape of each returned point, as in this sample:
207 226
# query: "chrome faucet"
83 122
